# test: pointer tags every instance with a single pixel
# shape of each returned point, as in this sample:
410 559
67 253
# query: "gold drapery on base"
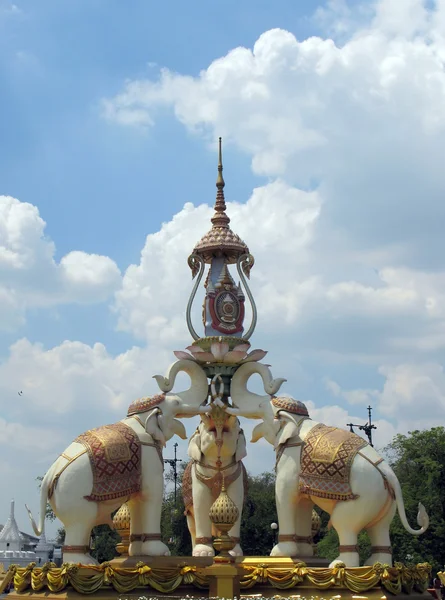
284 574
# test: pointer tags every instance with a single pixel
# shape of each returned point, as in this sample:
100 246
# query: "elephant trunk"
196 395
247 403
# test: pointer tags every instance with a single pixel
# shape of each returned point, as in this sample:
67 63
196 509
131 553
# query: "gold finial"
220 219
220 180
220 240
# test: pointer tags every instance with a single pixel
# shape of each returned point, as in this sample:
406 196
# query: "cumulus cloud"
365 120
353 263
332 303
30 276
412 395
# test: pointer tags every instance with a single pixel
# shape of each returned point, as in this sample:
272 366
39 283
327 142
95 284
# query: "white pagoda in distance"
15 549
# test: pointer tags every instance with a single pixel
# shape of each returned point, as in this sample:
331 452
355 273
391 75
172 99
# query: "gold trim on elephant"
213 482
145 537
381 550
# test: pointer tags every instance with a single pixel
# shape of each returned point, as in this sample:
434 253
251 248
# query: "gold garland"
89 579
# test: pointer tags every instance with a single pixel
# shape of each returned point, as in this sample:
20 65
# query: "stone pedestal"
224 581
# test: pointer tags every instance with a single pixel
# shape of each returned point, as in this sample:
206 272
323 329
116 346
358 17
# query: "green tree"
257 537
104 543
327 547
418 459
173 520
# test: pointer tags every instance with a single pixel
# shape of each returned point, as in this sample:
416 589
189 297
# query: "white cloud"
29 275
411 397
19 437
75 377
278 223
365 119
351 264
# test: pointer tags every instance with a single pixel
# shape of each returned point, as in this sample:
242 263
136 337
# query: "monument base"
192 577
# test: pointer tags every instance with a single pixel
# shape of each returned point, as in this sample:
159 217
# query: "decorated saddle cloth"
326 461
214 483
115 458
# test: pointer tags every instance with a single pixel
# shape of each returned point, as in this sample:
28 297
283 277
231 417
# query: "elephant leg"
149 503
202 501
342 519
136 526
236 493
286 496
380 541
303 527
151 509
191 525
77 538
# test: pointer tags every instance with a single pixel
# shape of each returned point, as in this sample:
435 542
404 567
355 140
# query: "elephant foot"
284 549
346 561
135 549
203 550
155 548
237 551
383 558
78 558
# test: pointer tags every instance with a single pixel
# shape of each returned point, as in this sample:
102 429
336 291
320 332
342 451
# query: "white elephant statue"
216 448
108 466
327 466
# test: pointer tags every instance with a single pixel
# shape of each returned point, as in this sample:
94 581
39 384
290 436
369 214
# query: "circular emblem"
143 404
227 308
291 405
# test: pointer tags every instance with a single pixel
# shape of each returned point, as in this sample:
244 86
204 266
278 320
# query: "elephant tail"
44 489
422 516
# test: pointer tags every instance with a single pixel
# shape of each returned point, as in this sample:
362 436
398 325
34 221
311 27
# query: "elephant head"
159 412
215 427
281 417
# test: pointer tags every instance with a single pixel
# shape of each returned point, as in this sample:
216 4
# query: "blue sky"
333 124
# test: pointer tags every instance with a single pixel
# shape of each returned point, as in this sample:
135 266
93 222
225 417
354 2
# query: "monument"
120 466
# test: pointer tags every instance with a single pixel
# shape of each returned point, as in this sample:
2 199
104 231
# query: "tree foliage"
418 459
327 547
257 537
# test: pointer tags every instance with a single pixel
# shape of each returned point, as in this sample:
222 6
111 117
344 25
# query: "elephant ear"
241 450
287 430
194 449
153 426
258 432
179 429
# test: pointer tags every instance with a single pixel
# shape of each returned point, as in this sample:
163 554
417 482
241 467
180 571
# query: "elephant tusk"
233 411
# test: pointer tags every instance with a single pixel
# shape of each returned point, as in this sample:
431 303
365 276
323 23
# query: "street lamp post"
173 463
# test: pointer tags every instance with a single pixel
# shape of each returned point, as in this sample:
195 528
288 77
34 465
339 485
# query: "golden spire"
220 219
220 240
